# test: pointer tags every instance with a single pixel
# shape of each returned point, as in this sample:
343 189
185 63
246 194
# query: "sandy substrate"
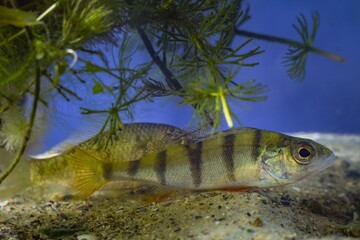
325 206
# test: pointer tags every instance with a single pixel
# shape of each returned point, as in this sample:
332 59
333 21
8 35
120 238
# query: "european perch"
52 175
235 159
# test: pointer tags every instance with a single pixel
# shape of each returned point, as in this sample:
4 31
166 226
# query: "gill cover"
293 160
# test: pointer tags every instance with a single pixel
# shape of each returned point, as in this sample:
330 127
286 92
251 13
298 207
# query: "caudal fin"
88 173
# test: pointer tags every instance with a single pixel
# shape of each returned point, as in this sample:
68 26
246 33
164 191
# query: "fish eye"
303 153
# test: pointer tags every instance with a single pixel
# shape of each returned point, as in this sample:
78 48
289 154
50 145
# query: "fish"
52 176
234 160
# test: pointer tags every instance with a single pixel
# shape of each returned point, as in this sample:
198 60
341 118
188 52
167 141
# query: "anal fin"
237 189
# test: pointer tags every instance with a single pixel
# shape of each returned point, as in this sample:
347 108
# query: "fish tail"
88 173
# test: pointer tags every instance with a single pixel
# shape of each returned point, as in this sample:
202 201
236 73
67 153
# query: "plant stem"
29 128
288 42
172 82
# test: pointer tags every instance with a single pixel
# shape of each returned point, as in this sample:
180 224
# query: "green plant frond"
86 19
17 17
210 96
189 42
22 71
98 53
220 60
245 15
202 54
248 91
156 88
127 96
127 91
316 23
219 21
229 56
195 31
295 58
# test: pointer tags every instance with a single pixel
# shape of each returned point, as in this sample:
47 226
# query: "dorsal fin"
134 141
137 140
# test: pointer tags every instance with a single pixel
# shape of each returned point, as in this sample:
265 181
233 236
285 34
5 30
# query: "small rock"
257 223
356 216
87 237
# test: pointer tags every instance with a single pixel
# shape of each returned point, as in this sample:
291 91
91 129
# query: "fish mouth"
288 177
323 164
319 166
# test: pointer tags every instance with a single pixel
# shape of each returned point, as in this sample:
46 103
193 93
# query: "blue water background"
328 100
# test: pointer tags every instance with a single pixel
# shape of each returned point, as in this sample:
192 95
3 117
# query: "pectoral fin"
88 173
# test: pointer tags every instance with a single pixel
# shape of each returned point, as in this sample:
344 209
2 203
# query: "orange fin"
148 199
88 173
237 189
154 193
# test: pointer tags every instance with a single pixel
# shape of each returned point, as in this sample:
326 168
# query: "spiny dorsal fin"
88 173
135 141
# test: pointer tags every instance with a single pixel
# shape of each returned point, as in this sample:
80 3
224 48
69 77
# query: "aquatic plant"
189 42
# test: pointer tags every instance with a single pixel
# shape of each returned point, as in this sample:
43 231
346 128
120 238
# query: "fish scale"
232 160
54 175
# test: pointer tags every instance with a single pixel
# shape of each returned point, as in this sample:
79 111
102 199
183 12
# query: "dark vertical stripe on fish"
256 144
195 162
228 155
133 167
107 171
160 166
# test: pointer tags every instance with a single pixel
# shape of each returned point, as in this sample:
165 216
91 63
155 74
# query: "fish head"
293 159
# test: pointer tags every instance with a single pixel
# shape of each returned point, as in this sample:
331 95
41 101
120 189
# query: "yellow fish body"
54 176
231 160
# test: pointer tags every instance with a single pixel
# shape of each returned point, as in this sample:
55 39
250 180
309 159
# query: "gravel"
325 206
